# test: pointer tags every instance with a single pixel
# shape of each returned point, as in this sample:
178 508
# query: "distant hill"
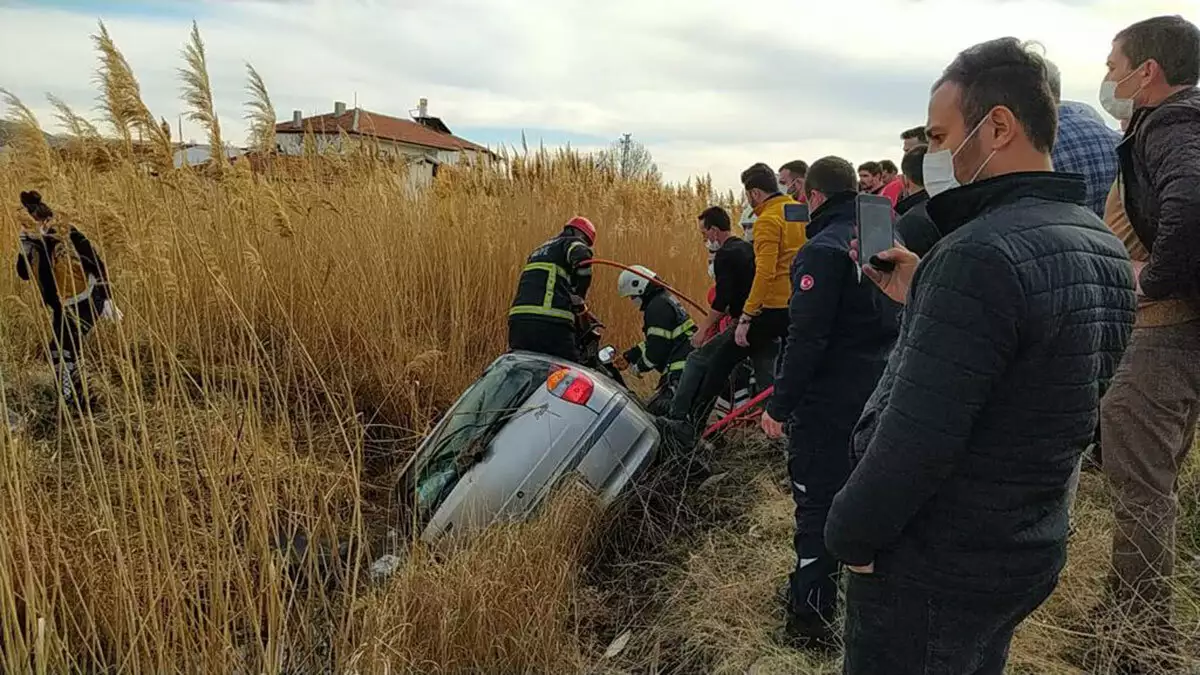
9 129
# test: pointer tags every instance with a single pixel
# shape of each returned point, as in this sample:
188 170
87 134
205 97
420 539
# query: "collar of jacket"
652 291
778 196
1190 95
838 206
905 205
954 208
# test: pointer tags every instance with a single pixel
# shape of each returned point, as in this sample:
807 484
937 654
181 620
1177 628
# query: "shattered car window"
470 427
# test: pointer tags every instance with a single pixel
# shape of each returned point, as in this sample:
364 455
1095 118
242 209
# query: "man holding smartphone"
954 520
840 331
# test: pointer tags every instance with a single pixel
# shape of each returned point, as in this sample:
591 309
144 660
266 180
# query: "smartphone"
795 213
876 232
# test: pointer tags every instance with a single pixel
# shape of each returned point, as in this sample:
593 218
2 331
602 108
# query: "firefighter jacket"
668 330
554 282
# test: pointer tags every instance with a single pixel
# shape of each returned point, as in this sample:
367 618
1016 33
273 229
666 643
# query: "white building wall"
420 172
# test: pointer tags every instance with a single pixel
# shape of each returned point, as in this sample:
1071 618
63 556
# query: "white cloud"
711 86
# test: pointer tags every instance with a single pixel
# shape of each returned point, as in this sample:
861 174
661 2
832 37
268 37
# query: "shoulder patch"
806 282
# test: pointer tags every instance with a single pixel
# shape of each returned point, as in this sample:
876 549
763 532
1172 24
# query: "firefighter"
551 293
73 283
668 334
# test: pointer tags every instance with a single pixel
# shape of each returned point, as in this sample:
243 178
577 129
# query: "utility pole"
626 142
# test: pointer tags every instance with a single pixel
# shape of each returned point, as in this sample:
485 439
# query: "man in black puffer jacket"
954 520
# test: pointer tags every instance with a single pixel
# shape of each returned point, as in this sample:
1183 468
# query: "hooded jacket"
1013 327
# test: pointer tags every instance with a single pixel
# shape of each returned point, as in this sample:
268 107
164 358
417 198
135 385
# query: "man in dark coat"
1149 417
841 329
954 520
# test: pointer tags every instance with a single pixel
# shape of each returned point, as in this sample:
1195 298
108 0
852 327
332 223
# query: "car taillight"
571 386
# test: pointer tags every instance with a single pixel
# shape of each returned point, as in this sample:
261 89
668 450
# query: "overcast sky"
711 86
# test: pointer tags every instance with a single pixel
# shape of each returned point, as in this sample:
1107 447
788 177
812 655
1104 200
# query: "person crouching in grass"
73 283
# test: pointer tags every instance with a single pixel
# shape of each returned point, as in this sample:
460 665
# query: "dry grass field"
289 335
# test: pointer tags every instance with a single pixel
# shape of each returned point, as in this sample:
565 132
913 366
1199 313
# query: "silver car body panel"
607 442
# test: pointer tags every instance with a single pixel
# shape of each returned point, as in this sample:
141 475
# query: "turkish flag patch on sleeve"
806 282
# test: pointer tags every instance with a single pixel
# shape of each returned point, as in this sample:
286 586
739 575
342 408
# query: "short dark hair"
915 132
1172 41
831 175
762 177
796 167
888 166
1005 72
715 217
913 165
872 168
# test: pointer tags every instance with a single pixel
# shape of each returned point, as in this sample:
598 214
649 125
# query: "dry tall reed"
288 335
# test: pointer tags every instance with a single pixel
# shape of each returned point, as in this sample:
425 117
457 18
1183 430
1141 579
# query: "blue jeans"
900 629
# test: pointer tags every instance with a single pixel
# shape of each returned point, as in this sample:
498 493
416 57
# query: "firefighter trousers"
553 338
818 466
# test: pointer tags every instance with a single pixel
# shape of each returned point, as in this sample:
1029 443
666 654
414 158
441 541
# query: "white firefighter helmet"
747 223
633 284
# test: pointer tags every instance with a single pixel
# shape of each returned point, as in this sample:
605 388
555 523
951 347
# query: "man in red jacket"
893 185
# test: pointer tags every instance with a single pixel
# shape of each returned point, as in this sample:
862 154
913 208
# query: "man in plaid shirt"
1084 144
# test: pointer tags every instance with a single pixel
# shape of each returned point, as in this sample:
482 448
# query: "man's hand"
894 284
620 362
1138 266
699 339
770 427
869 568
742 334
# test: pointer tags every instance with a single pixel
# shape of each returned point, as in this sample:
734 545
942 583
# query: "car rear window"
471 425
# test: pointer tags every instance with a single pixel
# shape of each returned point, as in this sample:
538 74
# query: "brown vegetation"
289 333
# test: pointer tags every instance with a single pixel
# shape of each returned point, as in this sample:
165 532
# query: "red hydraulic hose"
653 280
737 412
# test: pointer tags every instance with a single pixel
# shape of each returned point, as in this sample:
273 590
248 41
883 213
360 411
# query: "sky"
709 86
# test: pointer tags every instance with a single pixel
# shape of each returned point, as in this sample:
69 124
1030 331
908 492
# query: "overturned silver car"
527 422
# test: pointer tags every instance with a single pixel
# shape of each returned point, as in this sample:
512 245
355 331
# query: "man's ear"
1005 127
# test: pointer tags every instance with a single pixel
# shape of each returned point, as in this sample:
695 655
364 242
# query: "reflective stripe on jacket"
668 329
554 282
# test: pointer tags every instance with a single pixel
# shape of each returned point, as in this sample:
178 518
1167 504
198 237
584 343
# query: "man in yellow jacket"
778 235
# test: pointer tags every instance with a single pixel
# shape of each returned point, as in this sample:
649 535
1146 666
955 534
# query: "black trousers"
901 629
70 325
553 338
709 368
660 401
818 466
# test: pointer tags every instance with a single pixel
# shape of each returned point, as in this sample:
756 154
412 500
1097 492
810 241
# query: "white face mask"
939 166
712 246
1120 108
